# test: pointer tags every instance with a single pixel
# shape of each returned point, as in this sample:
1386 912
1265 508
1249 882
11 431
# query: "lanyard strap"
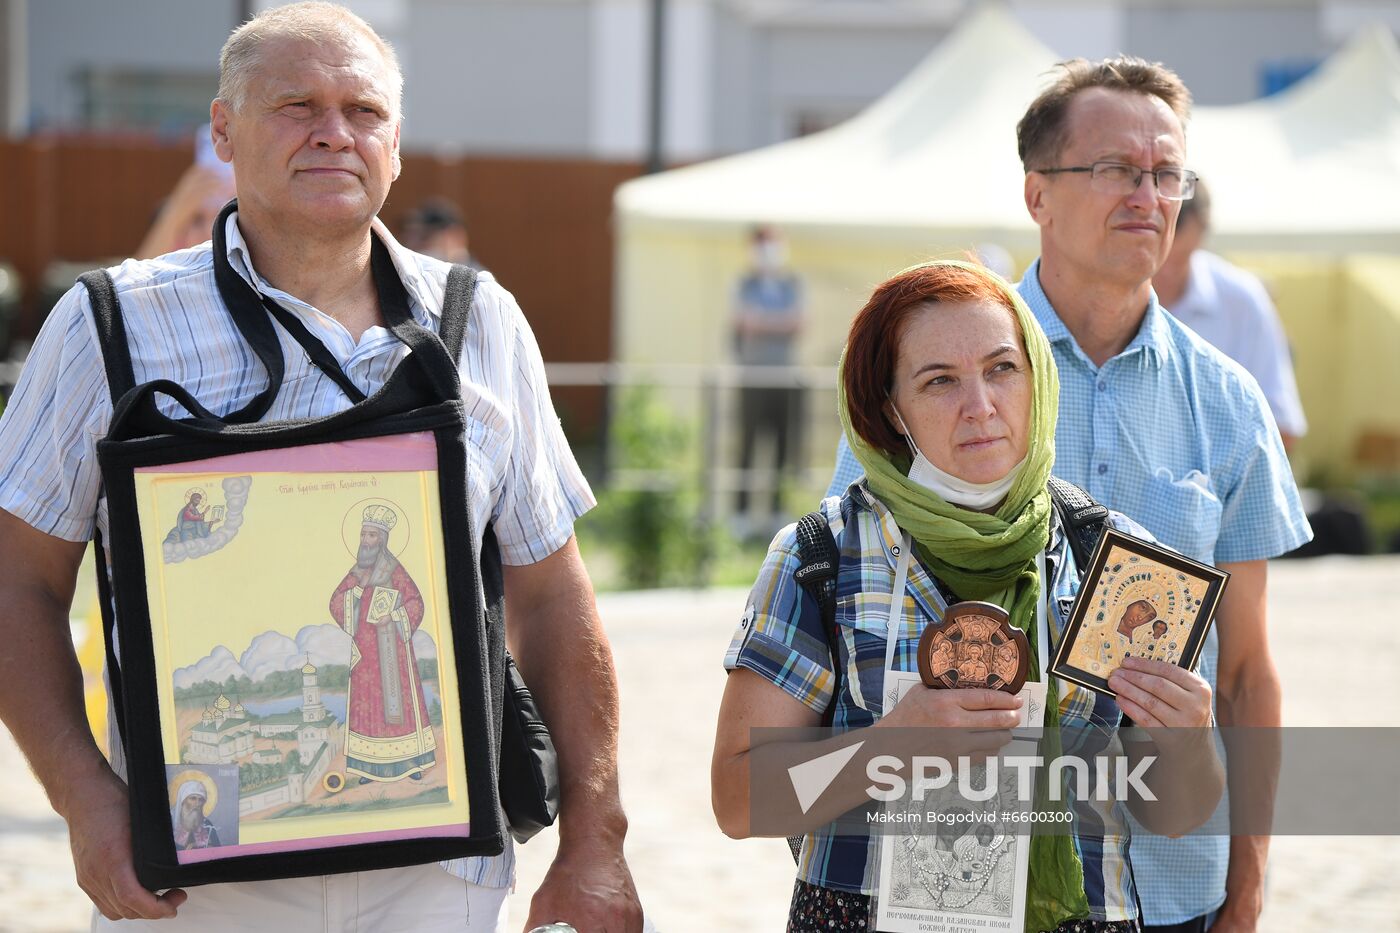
246 306
892 624
1042 620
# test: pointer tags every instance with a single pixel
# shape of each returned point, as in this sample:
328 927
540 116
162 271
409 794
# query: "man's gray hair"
315 21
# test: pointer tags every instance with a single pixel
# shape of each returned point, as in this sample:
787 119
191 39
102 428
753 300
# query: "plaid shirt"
781 639
1205 470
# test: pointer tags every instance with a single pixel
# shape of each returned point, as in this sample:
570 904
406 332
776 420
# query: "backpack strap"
1083 519
816 549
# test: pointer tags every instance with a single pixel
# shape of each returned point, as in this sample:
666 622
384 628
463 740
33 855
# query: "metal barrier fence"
708 396
704 398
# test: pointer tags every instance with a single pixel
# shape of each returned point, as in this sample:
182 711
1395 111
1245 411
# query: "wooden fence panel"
541 225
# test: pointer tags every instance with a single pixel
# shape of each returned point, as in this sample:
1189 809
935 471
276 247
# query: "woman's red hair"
873 343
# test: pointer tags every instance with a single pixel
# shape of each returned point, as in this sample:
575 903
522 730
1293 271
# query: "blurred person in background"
1154 422
186 217
1231 308
436 228
768 317
309 111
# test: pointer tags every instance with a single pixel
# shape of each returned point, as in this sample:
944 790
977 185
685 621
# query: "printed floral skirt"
826 910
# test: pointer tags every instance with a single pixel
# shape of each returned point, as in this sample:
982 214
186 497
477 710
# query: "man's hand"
1249 695
553 629
1234 919
41 702
99 828
590 887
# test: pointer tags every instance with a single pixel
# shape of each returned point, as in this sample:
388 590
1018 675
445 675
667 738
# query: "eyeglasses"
1120 178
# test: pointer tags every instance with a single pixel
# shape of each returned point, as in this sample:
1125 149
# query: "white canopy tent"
931 169
937 153
936 156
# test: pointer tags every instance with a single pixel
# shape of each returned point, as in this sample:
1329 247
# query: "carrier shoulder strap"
457 299
1083 519
111 332
116 359
820 560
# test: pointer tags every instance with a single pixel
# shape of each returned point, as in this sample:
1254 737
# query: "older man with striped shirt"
308 112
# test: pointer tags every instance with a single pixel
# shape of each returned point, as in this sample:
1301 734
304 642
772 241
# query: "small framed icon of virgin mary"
1136 600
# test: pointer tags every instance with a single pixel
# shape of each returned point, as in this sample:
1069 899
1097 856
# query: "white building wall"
1075 30
1220 51
67 37
570 77
498 76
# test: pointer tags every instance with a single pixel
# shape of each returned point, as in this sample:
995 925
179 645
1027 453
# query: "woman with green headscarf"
948 397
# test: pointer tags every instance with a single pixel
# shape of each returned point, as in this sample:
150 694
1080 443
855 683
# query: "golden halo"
333 782
189 493
350 526
211 791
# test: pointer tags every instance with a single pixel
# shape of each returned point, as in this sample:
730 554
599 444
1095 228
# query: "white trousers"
419 898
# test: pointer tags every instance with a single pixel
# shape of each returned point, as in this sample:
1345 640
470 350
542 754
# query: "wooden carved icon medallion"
974 646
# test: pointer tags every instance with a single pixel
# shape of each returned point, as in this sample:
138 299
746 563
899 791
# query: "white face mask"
952 489
769 256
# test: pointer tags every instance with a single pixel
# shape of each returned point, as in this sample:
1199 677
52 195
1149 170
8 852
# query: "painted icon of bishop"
378 604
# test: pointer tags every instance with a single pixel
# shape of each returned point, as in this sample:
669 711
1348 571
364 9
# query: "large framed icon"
299 618
304 688
1141 600
300 685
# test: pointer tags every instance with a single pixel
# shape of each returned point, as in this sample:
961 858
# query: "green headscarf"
992 557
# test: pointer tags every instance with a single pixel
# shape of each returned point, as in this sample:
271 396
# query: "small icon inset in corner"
811 778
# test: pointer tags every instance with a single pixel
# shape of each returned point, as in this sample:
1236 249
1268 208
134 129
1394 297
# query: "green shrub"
652 528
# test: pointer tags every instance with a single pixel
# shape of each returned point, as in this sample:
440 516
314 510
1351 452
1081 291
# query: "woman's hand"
1172 705
971 708
955 723
1156 694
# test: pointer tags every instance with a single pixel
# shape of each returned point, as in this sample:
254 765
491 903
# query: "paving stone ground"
668 645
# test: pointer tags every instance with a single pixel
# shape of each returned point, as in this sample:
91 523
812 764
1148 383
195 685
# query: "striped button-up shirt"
1177 435
782 639
523 477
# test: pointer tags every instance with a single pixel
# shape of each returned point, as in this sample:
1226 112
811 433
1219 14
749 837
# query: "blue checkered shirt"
782 639
1179 436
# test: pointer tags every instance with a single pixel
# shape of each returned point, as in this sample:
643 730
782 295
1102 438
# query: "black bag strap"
821 559
316 350
457 299
1083 519
432 377
456 307
111 332
246 306
114 673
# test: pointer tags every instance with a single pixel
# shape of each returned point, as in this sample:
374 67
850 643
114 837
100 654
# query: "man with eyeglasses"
1157 424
